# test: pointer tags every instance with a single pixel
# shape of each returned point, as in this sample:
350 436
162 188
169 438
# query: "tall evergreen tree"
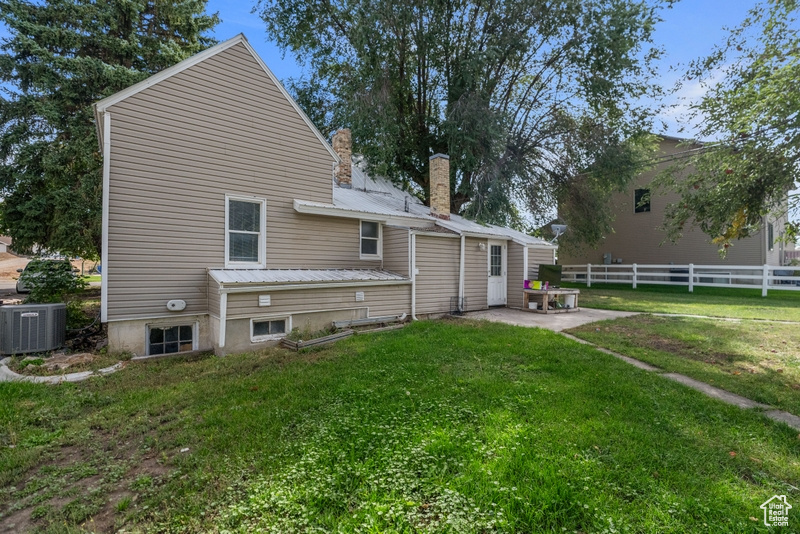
534 101
62 56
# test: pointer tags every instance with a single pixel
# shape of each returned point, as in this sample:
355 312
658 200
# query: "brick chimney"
440 186
343 145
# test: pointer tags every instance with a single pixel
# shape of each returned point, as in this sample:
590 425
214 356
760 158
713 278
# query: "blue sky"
690 29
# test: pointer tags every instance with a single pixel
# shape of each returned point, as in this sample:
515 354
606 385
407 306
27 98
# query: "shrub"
50 281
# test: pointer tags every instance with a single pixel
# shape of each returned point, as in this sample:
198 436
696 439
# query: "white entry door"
497 273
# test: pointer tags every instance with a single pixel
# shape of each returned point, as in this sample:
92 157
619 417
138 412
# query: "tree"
753 114
62 56
531 99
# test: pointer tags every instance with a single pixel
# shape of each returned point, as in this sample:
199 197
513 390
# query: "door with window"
497 273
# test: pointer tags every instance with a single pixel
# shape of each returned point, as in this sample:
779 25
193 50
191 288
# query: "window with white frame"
170 339
267 328
245 231
370 240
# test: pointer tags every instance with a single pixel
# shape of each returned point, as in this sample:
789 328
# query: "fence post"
764 280
588 275
634 276
691 278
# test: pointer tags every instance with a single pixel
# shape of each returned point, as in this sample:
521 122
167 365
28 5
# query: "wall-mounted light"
482 247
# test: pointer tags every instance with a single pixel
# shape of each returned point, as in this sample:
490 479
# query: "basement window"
268 329
370 240
641 201
170 339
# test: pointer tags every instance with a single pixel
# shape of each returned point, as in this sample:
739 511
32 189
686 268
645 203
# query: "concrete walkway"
552 321
563 321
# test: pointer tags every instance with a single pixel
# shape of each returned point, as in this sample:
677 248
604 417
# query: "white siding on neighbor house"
395 250
437 259
476 273
637 237
516 274
381 300
177 148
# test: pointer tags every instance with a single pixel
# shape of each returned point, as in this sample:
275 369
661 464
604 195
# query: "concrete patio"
552 321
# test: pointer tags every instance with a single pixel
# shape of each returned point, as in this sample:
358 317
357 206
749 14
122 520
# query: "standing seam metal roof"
279 276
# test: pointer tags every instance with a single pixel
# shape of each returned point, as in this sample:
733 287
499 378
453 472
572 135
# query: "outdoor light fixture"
482 247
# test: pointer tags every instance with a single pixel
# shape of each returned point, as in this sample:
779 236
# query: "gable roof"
102 105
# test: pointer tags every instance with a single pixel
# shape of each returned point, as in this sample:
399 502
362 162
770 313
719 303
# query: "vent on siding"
264 300
359 296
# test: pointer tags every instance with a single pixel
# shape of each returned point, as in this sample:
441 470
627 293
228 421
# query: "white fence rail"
764 277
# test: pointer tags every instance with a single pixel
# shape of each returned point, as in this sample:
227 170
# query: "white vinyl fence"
745 276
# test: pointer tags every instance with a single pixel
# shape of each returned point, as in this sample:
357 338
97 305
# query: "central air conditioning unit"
32 328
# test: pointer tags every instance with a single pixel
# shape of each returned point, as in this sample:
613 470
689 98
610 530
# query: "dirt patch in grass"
94 485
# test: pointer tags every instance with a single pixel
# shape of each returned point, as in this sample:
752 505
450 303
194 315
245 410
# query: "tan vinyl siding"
516 267
437 259
536 257
637 237
395 250
476 274
381 300
177 148
213 297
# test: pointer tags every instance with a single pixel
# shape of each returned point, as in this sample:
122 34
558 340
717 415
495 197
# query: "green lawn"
439 427
712 301
755 359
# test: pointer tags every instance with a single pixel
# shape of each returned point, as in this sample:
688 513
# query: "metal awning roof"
229 277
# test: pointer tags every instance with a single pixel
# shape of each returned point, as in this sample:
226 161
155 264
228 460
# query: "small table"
543 297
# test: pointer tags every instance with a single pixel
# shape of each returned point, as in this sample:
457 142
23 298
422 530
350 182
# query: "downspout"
461 276
223 318
412 244
104 238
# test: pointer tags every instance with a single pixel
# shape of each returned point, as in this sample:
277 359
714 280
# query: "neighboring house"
5 244
638 239
228 220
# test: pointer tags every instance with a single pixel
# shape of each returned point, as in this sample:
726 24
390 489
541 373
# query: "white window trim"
377 256
262 241
195 329
270 337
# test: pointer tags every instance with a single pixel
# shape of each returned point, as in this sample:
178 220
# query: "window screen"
244 231
272 327
370 237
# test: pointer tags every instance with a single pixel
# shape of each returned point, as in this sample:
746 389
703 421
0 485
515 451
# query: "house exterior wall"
476 273
516 274
637 238
379 299
536 257
177 148
213 297
437 259
395 250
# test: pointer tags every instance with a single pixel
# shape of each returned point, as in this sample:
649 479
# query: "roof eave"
331 210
